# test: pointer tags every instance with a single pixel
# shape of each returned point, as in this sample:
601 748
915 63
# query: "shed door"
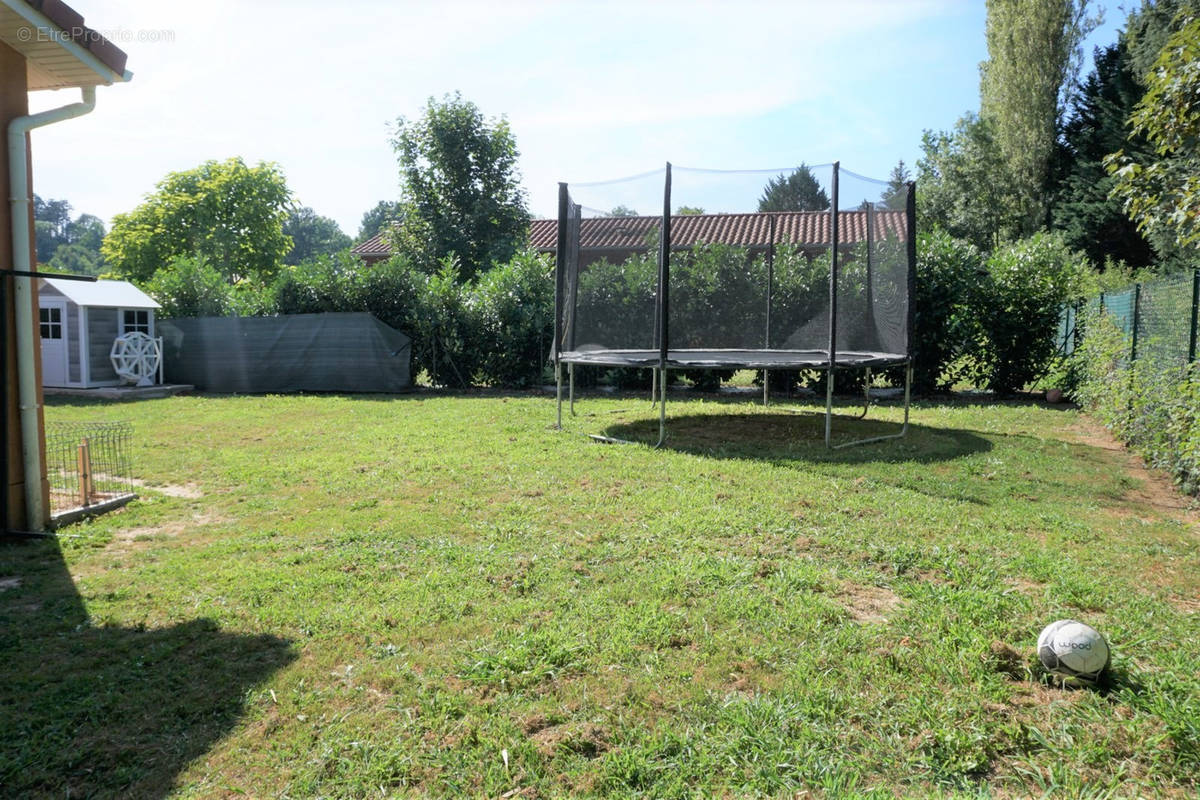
54 342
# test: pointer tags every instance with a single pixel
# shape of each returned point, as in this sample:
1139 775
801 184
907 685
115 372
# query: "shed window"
51 322
133 320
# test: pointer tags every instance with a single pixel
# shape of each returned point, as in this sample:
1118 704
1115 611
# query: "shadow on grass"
108 711
781 436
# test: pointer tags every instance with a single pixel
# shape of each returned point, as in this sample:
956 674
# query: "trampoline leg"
766 387
866 394
571 373
908 373
653 388
829 408
558 392
662 409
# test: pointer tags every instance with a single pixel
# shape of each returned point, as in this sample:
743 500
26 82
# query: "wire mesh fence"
1159 319
88 464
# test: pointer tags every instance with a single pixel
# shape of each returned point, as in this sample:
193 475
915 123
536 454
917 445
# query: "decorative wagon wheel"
135 358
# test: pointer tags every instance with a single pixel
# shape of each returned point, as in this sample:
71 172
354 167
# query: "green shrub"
1151 404
1015 310
514 303
948 272
190 286
447 328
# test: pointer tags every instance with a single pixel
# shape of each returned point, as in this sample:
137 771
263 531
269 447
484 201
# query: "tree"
461 192
77 259
51 218
189 286
312 235
228 212
87 231
384 213
1148 28
1091 219
689 211
623 211
895 196
1034 56
799 191
962 185
66 245
1163 196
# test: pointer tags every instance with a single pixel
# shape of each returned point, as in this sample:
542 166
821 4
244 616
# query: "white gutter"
27 391
44 30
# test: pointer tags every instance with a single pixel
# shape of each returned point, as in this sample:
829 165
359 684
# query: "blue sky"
592 90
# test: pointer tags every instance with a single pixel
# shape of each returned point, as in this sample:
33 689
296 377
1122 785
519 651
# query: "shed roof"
103 294
60 51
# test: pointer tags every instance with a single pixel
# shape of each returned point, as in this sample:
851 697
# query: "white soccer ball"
1073 649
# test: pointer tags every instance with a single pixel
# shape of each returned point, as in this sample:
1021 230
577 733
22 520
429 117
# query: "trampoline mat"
732 359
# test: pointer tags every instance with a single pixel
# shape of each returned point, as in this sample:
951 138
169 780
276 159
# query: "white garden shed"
80 321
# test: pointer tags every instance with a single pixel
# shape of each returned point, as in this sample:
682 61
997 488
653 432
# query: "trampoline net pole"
833 304
560 260
560 264
664 275
767 326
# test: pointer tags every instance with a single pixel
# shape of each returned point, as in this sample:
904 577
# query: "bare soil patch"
188 491
1154 490
869 604
587 739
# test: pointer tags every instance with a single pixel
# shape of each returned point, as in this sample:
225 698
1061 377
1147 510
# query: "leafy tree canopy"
312 235
1084 210
1148 28
799 191
962 185
689 211
65 244
384 213
895 196
461 191
1163 196
228 212
623 211
1034 56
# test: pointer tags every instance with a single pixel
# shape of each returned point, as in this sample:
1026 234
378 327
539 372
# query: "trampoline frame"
667 359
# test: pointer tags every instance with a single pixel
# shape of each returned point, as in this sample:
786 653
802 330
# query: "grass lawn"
441 595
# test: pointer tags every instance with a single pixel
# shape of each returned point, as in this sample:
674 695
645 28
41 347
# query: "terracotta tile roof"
373 249
743 230
809 228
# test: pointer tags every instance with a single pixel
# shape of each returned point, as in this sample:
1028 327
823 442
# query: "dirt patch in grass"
869 604
586 739
1154 489
188 491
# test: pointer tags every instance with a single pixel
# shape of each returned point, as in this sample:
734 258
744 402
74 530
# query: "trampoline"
825 289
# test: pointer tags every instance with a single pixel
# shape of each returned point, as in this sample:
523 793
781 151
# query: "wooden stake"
86 489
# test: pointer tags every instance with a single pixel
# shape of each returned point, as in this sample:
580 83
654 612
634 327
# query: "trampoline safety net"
683 268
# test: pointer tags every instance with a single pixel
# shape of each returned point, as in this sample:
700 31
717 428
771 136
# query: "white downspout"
27 391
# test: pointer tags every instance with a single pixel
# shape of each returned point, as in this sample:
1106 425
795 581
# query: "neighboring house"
79 322
617 238
44 44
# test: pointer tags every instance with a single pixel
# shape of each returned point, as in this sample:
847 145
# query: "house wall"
73 332
14 102
103 325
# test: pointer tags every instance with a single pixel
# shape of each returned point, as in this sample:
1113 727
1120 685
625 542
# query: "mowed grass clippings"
328 596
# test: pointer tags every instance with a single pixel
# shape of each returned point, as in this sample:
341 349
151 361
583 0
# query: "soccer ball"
1073 650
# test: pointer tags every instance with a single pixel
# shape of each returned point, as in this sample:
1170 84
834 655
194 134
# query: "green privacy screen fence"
1158 317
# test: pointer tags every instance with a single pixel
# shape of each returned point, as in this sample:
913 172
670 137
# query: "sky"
592 90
